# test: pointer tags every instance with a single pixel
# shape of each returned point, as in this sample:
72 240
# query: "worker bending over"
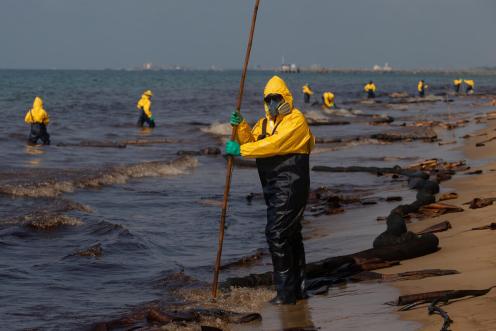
145 106
470 86
421 87
457 83
370 90
307 92
38 118
328 100
281 143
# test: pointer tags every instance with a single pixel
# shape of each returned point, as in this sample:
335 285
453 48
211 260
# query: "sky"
98 34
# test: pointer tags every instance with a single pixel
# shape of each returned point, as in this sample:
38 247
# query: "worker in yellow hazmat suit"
470 86
457 83
145 106
37 117
370 88
328 100
307 92
421 88
281 143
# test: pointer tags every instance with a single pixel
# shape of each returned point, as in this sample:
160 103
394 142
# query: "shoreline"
469 252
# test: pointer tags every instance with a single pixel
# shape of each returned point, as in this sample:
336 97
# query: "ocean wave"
343 144
49 215
218 129
53 183
104 228
44 221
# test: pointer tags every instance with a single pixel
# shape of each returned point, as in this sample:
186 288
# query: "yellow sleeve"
327 102
243 133
291 137
45 120
28 118
147 108
373 88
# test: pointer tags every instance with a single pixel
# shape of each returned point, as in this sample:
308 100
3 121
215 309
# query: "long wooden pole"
230 158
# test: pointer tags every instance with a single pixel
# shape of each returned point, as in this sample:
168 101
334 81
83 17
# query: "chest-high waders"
306 96
422 92
144 118
370 94
286 181
457 88
38 131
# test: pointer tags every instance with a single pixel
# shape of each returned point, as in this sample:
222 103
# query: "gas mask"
276 105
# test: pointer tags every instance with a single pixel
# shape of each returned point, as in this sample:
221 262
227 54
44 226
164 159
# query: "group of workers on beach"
328 97
281 143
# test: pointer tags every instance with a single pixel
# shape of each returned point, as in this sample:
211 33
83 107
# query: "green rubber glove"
151 119
232 148
236 118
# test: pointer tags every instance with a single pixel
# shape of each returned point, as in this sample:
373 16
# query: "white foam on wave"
218 129
103 177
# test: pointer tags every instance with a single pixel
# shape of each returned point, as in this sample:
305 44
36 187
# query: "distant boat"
386 67
291 68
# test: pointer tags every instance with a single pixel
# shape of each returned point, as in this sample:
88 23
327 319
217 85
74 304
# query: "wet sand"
470 252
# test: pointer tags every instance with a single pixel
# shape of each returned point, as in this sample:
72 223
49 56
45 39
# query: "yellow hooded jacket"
307 90
421 85
369 87
37 115
291 136
457 82
145 104
469 82
328 99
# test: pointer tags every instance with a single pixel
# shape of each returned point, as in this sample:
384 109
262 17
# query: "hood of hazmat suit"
37 115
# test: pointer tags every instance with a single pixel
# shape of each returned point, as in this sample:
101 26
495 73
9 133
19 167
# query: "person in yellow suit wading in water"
457 83
370 89
37 117
281 143
145 105
421 88
307 93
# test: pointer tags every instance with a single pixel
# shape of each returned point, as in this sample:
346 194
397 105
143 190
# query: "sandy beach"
472 253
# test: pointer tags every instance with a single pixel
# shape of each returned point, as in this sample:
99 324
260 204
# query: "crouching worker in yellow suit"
328 100
281 143
470 86
145 105
38 118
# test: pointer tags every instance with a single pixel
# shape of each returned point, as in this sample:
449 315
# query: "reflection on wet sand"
289 317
